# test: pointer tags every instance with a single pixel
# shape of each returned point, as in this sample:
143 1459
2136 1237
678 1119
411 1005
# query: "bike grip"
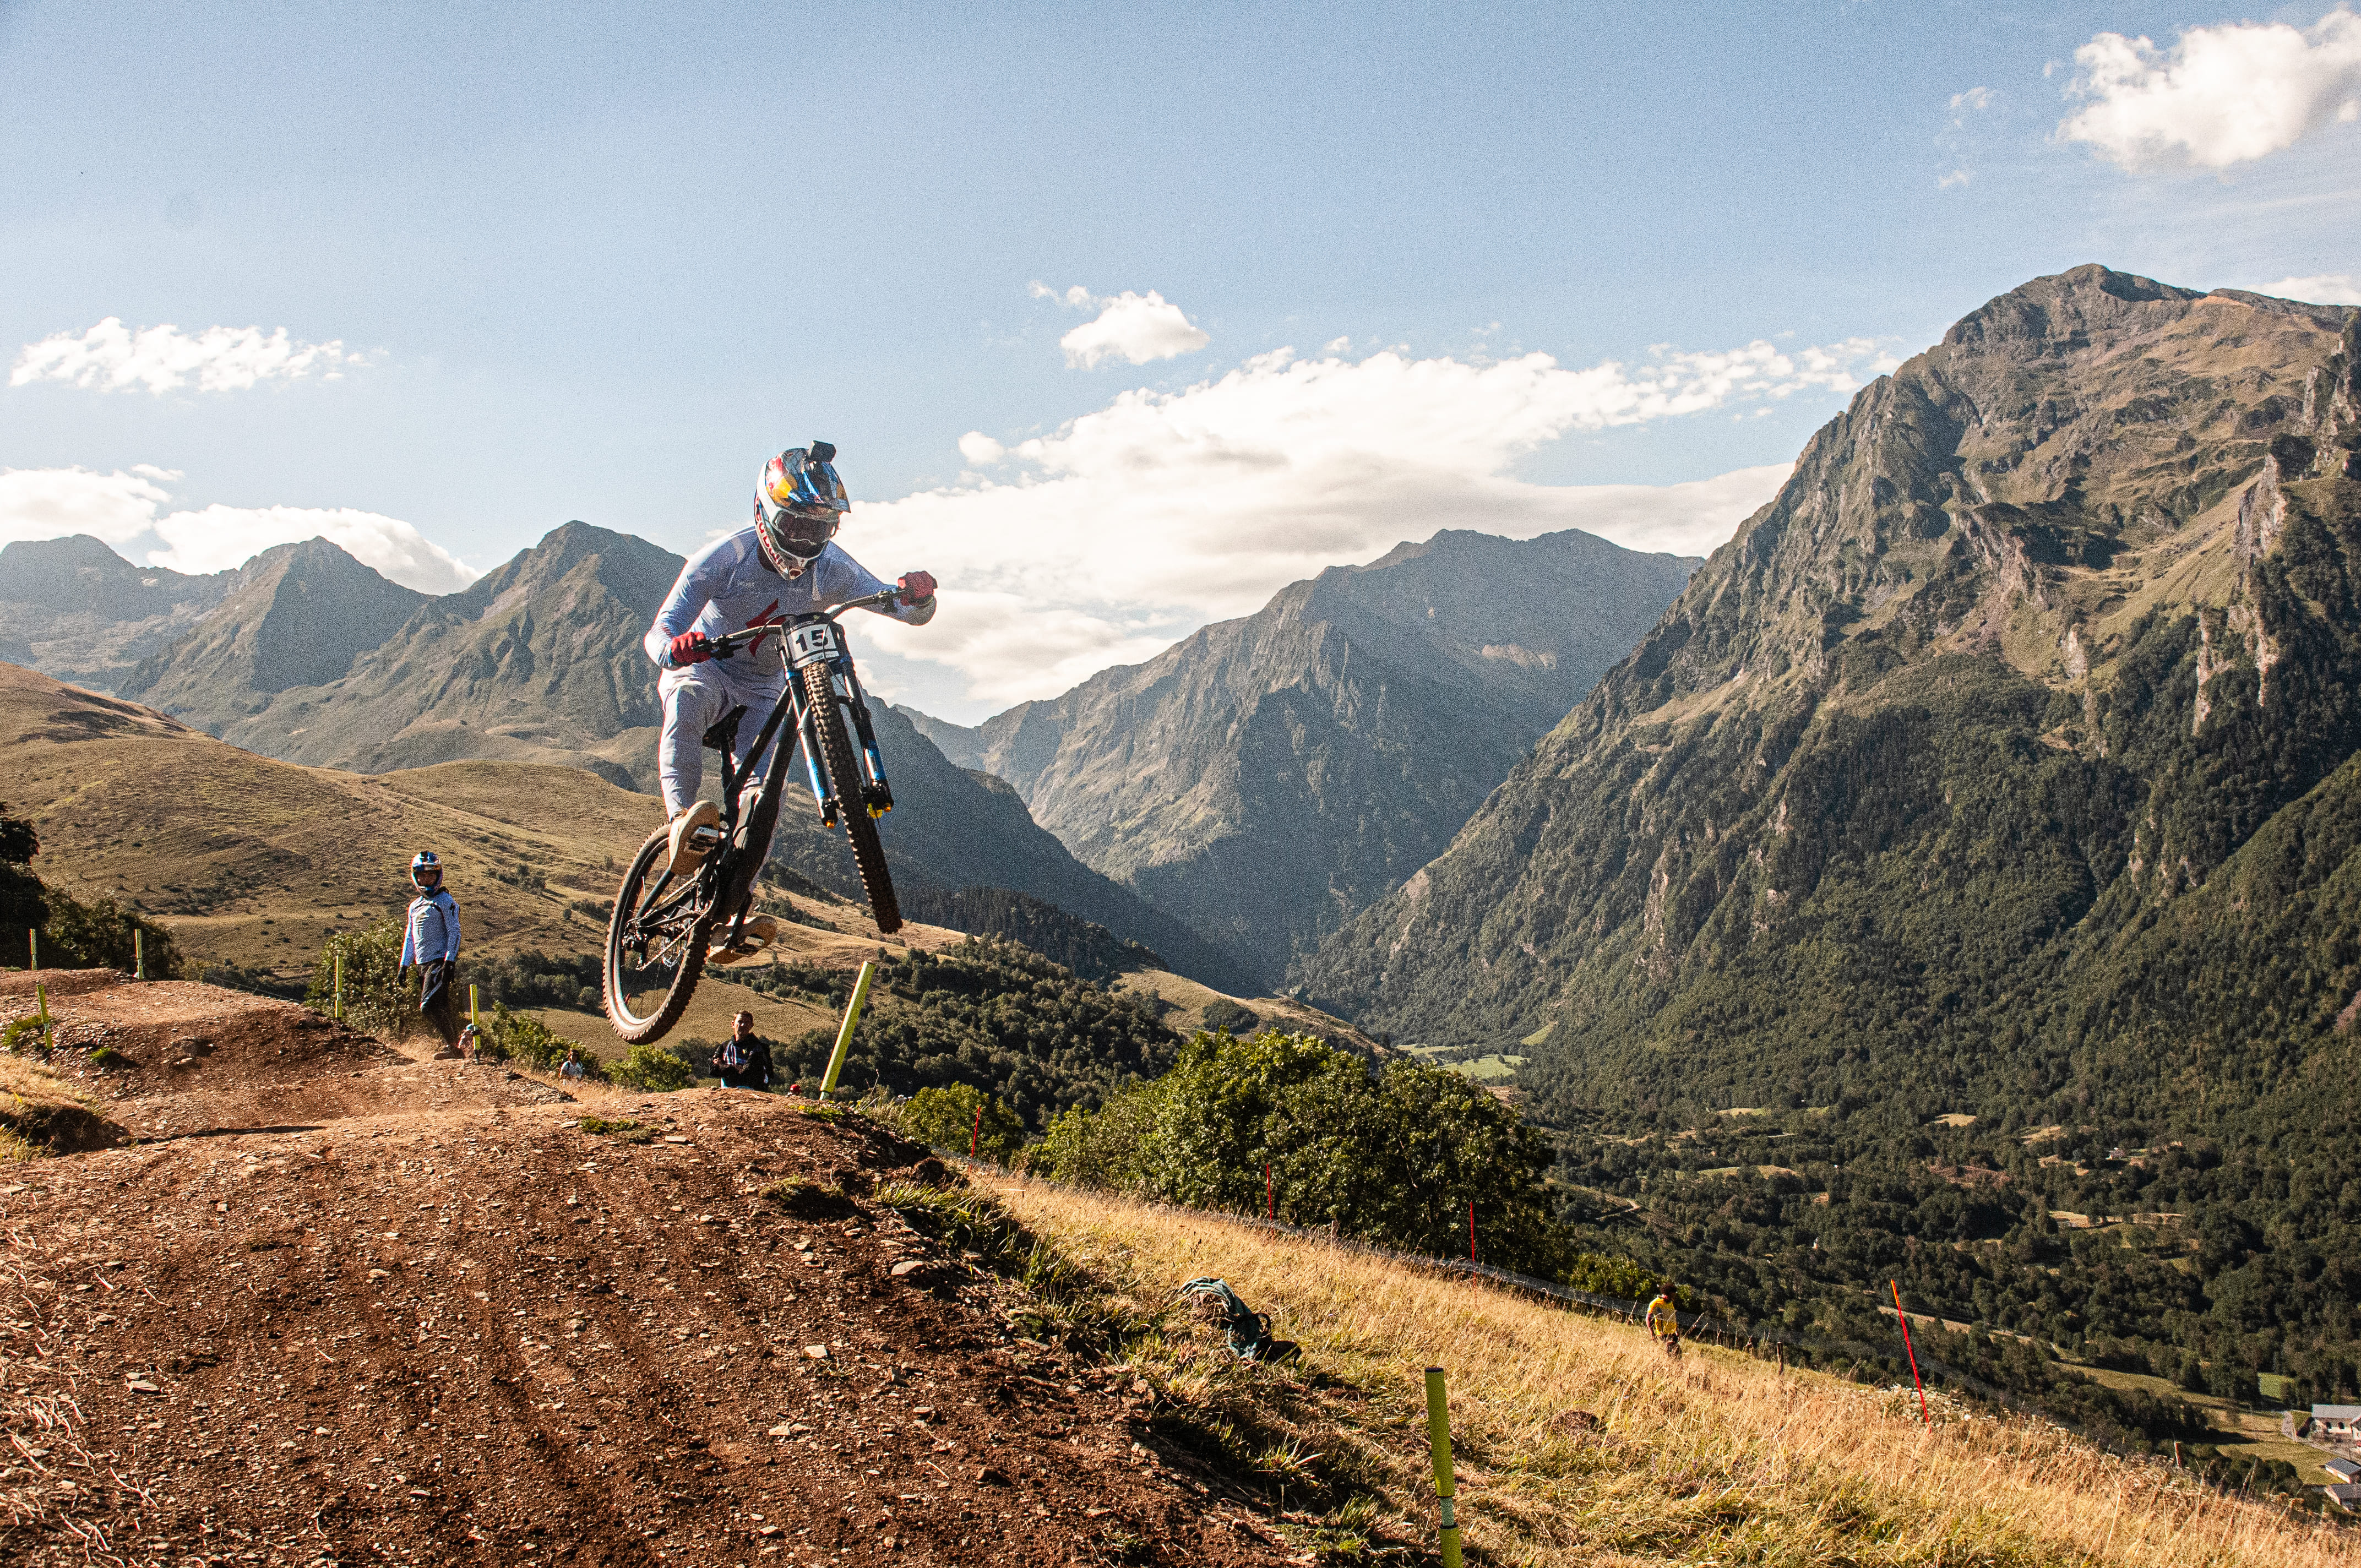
691 648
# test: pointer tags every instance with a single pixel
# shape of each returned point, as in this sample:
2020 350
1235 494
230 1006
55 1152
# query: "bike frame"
813 638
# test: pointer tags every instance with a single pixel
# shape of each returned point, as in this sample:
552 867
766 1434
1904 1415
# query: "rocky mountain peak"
2107 507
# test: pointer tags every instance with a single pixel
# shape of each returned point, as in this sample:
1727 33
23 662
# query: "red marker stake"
975 1131
1269 1196
1912 1355
1471 1229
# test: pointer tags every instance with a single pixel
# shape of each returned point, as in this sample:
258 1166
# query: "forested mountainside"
1264 779
1996 772
311 657
87 615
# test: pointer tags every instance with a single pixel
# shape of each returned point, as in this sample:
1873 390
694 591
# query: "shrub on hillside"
101 935
652 1068
949 1116
1392 1157
98 934
23 909
504 1036
1224 1016
377 1000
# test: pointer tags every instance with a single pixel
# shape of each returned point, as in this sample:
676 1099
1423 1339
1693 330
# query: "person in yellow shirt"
1665 1321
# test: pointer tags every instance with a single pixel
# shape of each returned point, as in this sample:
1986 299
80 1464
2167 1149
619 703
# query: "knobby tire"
644 1031
851 804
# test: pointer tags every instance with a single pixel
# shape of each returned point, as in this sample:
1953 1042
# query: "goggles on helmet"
797 505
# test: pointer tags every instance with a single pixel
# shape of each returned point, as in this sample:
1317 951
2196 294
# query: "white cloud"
1132 327
127 512
2320 289
111 356
1134 525
981 449
2220 95
1954 138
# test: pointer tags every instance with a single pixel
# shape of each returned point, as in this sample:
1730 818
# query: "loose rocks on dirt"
481 1333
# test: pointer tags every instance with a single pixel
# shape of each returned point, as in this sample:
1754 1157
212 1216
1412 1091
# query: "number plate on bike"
815 640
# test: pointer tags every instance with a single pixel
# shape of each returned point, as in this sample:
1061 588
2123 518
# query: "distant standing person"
573 1067
429 939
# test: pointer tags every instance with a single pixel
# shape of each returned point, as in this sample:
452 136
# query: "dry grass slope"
253 862
1720 1459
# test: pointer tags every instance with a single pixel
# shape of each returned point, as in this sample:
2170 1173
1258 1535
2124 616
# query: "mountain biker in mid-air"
781 565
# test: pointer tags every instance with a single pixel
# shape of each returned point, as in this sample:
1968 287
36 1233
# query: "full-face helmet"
425 872
798 504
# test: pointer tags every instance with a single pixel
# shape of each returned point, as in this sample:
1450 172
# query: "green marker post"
1438 1439
336 996
138 953
844 1033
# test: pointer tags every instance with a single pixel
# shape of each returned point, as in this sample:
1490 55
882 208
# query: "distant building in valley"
2335 1420
2343 1469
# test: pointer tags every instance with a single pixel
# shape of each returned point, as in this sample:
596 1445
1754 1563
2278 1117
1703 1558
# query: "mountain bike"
664 926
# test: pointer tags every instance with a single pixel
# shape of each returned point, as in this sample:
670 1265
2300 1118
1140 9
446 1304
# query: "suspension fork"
881 793
807 741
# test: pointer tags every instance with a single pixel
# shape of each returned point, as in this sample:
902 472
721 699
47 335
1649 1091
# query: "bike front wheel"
656 939
845 781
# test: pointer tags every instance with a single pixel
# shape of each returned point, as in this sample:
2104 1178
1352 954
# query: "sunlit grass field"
1580 1442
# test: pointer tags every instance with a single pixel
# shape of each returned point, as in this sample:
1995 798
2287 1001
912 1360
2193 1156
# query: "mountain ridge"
1973 506
74 606
1266 776
540 660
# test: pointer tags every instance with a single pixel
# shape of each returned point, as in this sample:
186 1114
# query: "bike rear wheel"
845 781
656 947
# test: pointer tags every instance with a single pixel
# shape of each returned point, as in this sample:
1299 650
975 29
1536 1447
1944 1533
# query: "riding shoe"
760 931
685 856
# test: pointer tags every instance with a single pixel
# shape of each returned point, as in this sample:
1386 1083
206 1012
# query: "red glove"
917 588
690 648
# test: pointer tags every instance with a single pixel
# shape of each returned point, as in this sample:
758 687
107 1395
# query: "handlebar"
728 643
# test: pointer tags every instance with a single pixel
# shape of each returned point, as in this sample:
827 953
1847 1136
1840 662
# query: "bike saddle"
722 733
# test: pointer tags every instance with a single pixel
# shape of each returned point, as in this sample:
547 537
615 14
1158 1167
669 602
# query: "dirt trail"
474 1332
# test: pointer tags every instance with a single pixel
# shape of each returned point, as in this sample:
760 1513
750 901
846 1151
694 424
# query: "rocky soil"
340 1305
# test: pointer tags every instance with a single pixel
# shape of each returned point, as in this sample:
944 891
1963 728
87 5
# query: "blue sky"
598 261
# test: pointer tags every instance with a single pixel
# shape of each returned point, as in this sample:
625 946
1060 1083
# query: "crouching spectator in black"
744 1059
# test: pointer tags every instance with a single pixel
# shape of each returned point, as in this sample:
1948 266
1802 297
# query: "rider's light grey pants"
693 698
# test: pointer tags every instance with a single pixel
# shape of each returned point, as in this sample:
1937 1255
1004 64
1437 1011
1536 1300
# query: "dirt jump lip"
456 1324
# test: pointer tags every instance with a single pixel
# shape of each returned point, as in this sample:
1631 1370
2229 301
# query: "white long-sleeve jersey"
727 587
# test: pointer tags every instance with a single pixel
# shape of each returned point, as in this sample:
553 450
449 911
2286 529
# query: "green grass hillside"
1981 815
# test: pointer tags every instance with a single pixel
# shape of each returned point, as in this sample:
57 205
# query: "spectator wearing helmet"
429 939
783 563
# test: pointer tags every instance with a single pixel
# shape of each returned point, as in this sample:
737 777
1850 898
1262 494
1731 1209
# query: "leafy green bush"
504 1036
1393 1157
25 1035
1222 1016
653 1068
377 1000
100 934
945 1117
